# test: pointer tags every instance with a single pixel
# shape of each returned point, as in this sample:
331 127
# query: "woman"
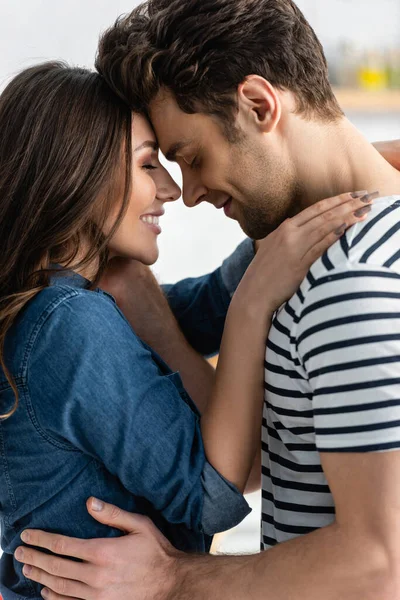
87 407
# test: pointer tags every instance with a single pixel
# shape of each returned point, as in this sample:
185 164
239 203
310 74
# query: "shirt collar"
68 277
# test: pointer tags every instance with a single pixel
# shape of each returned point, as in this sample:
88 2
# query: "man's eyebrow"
147 144
174 149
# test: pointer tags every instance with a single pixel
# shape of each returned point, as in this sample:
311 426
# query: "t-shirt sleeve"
100 389
348 342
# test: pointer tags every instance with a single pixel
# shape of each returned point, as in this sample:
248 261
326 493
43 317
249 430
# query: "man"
238 93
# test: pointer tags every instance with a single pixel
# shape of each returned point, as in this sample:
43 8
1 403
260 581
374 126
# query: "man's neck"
338 160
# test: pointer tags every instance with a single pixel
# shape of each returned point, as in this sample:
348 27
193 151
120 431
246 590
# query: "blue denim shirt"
200 304
101 414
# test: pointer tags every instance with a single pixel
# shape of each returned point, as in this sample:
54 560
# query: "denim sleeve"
200 304
98 387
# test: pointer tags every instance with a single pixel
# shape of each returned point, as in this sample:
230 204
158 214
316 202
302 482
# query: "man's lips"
225 205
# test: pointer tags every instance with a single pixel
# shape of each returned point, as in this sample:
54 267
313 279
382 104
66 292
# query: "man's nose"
193 194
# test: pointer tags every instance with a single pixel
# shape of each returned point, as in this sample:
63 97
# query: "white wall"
368 23
193 242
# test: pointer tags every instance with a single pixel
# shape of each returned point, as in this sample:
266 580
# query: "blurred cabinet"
363 101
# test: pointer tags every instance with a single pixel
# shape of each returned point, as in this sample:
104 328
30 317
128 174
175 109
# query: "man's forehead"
163 104
172 140
170 124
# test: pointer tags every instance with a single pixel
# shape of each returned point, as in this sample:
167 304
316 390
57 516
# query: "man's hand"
137 566
390 151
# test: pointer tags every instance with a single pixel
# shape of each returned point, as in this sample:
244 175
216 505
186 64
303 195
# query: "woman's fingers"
335 221
57 587
325 233
342 204
347 212
316 251
335 225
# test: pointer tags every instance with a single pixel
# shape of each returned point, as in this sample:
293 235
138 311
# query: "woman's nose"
174 191
168 190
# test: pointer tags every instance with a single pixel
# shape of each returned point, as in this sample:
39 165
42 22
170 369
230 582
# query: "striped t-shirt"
332 373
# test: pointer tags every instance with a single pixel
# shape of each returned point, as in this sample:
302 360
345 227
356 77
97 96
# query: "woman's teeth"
150 220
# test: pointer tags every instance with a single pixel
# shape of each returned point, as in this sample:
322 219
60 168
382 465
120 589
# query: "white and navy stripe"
332 373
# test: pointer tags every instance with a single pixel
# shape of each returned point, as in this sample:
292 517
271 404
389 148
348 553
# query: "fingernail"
369 197
359 194
19 554
363 211
25 536
341 230
27 570
45 592
97 505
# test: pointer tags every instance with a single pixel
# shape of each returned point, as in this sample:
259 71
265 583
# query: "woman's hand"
136 566
284 257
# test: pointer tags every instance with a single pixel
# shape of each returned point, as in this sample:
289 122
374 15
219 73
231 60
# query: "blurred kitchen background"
362 43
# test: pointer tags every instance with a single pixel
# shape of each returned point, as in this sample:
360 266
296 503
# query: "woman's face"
151 187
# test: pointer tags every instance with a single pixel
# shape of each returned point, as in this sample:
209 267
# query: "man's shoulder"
372 243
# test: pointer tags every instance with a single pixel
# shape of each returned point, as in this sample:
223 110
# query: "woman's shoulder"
69 304
72 316
65 326
81 311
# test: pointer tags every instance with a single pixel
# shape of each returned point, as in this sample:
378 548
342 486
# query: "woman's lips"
152 222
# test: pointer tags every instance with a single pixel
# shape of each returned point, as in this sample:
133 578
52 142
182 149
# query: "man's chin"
256 231
253 223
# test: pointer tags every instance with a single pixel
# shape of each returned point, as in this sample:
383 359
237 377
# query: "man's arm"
356 558
390 151
200 304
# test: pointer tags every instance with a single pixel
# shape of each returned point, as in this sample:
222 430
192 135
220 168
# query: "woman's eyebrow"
147 144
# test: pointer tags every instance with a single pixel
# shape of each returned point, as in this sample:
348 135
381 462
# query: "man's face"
250 179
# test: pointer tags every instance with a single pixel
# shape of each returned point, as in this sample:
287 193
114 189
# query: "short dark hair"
201 50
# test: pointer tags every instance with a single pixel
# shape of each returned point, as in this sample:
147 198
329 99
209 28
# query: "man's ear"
259 103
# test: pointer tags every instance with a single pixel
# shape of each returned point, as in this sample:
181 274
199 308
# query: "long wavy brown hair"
65 156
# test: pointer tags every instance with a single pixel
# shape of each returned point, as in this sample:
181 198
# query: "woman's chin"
148 256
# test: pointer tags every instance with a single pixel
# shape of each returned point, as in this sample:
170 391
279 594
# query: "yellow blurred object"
373 74
372 79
